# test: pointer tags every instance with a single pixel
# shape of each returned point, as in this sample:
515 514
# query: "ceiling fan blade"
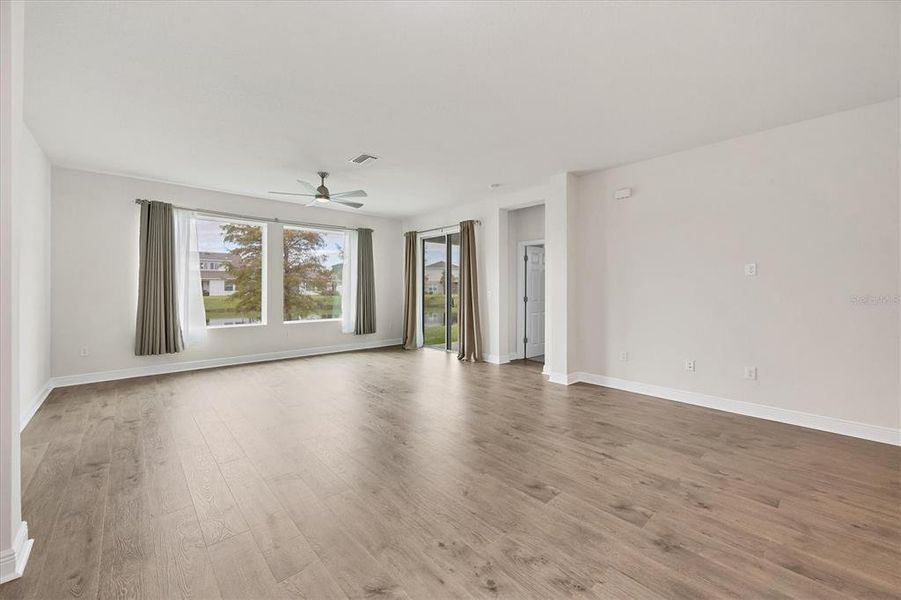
291 194
346 203
353 194
309 187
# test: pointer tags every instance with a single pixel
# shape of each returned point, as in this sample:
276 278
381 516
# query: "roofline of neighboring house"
214 275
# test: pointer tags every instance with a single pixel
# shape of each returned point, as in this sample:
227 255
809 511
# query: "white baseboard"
176 367
876 433
499 359
561 378
13 560
36 403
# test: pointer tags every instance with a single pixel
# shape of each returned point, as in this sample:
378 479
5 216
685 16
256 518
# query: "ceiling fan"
321 195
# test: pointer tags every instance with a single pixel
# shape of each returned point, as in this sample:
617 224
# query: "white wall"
95 265
32 241
524 224
815 204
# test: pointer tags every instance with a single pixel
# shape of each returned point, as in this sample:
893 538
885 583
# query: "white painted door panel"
535 302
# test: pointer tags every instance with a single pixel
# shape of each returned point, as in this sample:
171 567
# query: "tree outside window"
313 266
231 271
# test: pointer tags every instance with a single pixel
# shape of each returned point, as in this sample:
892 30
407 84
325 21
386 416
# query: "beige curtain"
365 284
410 290
157 330
470 330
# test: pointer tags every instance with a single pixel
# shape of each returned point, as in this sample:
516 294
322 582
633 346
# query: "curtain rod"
219 213
477 222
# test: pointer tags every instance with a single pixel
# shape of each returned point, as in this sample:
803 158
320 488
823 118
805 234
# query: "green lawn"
223 307
433 335
434 302
327 307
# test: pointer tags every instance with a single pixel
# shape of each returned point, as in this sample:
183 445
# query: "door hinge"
525 258
525 298
525 340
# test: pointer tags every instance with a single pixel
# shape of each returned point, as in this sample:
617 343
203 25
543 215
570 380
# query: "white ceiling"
246 97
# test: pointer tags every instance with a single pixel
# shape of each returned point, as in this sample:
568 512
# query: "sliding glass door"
441 291
434 298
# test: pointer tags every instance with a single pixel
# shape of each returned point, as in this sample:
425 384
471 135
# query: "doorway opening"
441 291
530 318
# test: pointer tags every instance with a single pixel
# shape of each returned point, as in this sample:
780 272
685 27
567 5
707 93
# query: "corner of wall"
30 408
557 220
15 546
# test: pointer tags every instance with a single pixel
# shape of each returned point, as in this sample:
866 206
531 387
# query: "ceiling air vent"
363 159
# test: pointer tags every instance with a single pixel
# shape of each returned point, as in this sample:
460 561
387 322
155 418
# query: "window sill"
304 321
236 326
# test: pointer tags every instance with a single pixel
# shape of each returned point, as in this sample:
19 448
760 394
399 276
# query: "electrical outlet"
750 372
690 366
83 351
624 356
751 269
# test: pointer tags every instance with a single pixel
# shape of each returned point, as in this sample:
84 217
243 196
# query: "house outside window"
232 273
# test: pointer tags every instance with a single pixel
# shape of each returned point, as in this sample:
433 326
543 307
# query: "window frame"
264 262
341 296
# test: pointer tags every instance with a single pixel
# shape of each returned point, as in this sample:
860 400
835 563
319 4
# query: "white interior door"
534 301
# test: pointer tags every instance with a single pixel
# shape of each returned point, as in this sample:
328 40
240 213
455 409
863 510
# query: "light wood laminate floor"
397 474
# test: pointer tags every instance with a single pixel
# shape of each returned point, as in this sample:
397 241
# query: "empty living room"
449 300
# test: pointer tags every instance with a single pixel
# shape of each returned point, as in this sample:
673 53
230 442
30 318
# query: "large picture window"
313 263
231 271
